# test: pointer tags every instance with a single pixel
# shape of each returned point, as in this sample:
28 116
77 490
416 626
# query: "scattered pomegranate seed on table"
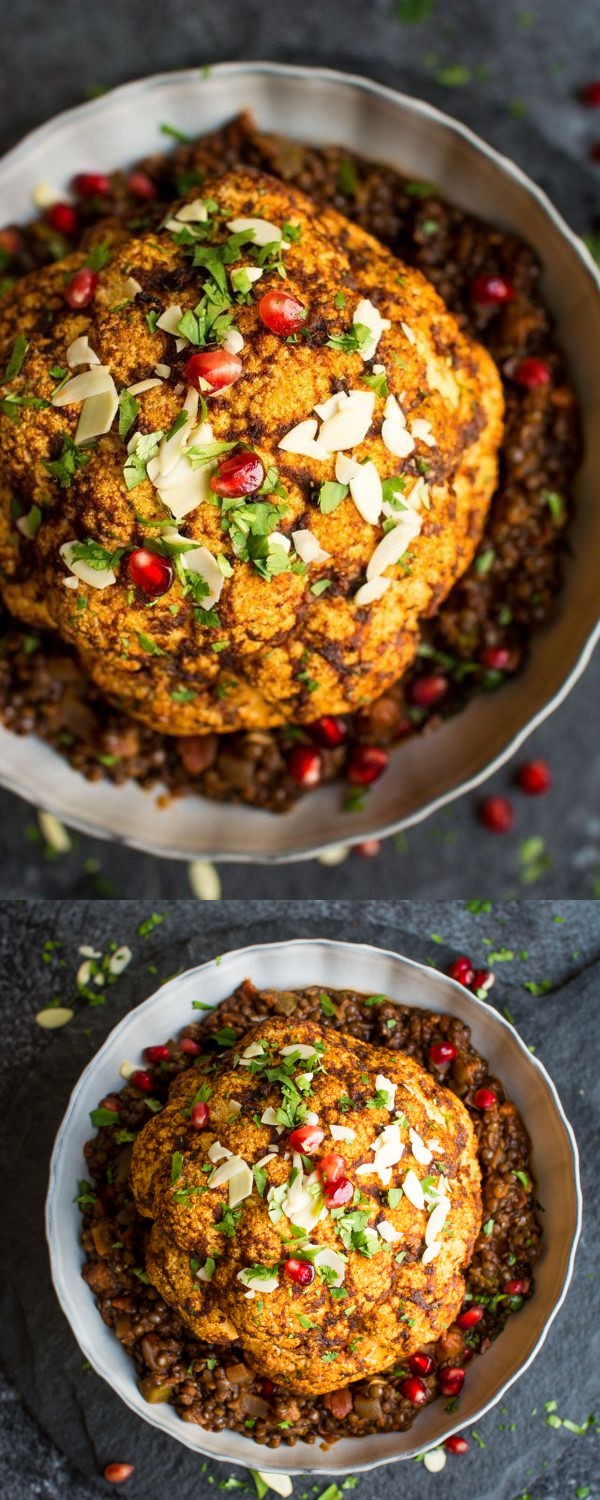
63 218
483 979
150 571
367 763
497 814
306 1138
199 1116
282 313
331 1167
462 970
590 95
329 731
451 1379
215 366
140 185
118 1473
490 290
305 764
425 692
369 849
190 1047
156 1054
484 1099
442 1053
534 777
299 1271
531 373
456 1444
91 184
142 1081
470 1317
414 1390
240 474
338 1192
421 1364
80 289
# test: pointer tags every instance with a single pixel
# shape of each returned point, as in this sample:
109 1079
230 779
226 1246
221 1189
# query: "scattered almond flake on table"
280 1483
53 1017
334 856
435 1460
119 960
205 880
370 317
54 833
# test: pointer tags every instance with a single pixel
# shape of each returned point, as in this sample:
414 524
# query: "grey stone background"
523 64
58 1434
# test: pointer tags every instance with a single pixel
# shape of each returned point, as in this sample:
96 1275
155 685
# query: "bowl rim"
67 120
169 989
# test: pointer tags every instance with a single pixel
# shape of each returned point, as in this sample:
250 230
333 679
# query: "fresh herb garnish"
17 357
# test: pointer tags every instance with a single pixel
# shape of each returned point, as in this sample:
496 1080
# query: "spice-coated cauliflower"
315 1199
240 510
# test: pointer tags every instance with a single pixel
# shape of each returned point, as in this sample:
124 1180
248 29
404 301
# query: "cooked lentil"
212 1386
513 584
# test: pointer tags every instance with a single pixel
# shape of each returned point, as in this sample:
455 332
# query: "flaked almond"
308 547
96 578
144 385
348 426
257 1282
366 492
94 382
388 1232
374 589
421 429
233 341
370 317
79 353
393 545
263 232
413 1190
97 414
342 1133
301 440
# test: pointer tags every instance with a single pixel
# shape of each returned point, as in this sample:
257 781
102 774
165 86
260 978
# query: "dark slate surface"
55 1445
527 61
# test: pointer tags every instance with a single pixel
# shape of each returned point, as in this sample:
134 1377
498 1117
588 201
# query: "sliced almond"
369 592
96 578
97 414
301 440
94 382
79 353
308 547
264 233
366 492
413 1190
348 426
393 545
144 385
370 317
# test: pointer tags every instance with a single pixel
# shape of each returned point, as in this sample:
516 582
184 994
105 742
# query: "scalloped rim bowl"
335 965
323 106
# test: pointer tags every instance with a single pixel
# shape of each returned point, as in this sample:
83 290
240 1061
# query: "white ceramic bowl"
335 966
321 106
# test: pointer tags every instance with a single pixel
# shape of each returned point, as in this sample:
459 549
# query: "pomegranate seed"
484 1099
496 658
267 1387
369 849
367 763
414 1390
425 692
497 814
62 218
215 366
240 474
156 1054
331 1167
451 1379
456 1444
190 1047
11 242
590 95
142 1081
469 1318
140 185
338 1192
306 1138
421 1364
118 1473
462 970
442 1053
483 979
199 1116
329 731
150 572
299 1271
517 1288
305 765
534 777
488 290
80 289
531 373
282 313
91 184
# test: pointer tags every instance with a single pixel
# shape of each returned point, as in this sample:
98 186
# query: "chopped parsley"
330 496
228 1222
320 586
85 1194
99 257
176 1166
347 178
352 342
17 357
377 383
128 411
134 470
149 646
101 1117
327 1005
95 555
174 133
72 458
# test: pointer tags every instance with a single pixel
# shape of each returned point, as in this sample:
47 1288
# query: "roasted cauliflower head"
248 462
320 1208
